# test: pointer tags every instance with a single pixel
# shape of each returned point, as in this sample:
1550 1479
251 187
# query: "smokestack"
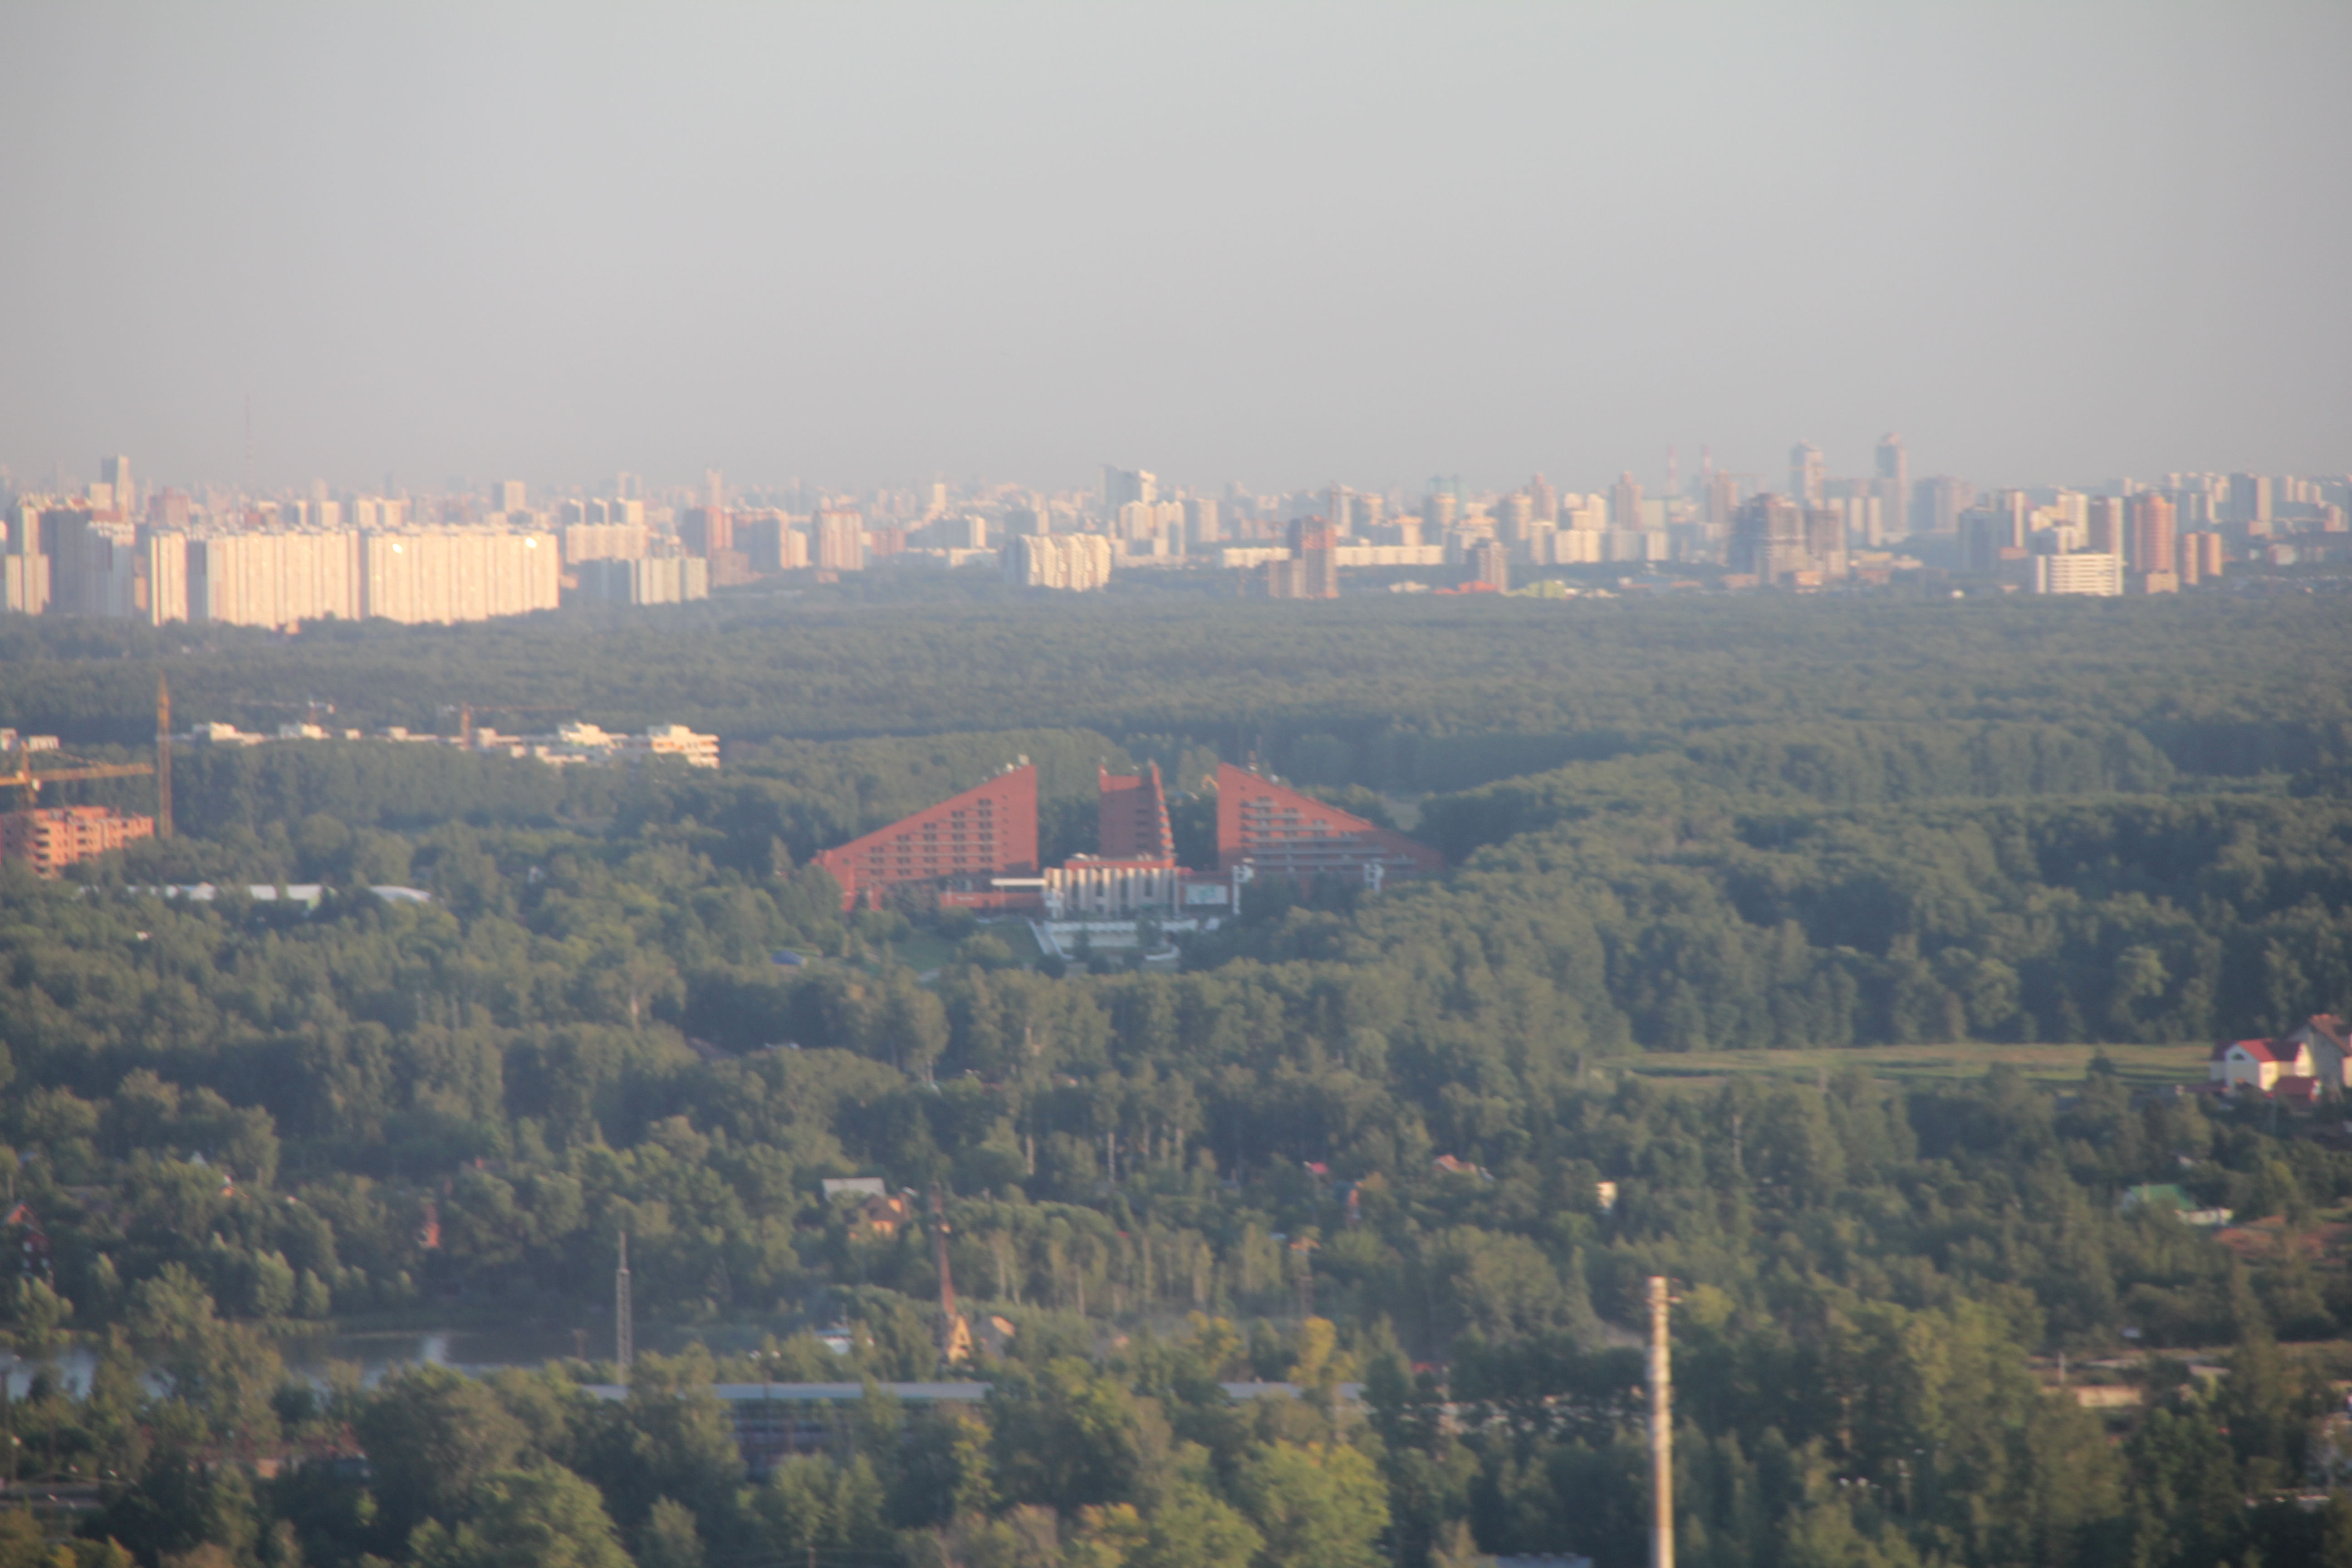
1662 1432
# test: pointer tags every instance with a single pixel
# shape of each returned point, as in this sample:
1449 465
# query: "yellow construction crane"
26 779
30 782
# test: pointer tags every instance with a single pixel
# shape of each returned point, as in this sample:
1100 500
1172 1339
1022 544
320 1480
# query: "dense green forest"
1407 693
1675 828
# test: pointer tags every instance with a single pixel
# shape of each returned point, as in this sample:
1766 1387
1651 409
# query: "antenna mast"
624 1328
1661 1431
163 756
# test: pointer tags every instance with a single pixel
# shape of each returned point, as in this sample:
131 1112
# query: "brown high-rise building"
2150 547
2198 557
1314 560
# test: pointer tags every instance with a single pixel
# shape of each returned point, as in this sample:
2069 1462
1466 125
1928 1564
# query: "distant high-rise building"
1937 504
512 496
1625 503
1768 539
840 540
2151 550
1201 522
2103 526
2250 498
115 474
1826 539
1490 564
714 483
707 531
2012 513
168 508
1337 503
1994 530
1314 560
1076 562
1515 517
1894 478
1546 499
1806 473
1722 497
1122 486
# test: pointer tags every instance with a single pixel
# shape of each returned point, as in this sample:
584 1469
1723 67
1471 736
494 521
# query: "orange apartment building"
51 838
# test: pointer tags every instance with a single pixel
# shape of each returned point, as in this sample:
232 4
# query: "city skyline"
889 244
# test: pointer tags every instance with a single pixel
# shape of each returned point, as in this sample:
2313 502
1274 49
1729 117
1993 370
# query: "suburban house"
2257 1064
2324 1035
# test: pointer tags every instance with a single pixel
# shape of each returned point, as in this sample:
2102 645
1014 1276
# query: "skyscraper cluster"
112 548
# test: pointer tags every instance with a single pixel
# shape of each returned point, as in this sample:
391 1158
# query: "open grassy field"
2141 1066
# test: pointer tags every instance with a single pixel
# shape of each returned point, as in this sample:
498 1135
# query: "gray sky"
1277 243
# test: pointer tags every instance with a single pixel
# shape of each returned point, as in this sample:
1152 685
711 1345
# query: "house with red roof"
2257 1064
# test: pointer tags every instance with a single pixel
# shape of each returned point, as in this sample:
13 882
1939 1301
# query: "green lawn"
2141 1066
921 950
1019 936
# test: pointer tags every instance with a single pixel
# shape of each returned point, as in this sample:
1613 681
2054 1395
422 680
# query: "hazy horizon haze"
876 243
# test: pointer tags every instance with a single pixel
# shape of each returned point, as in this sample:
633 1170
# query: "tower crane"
26 779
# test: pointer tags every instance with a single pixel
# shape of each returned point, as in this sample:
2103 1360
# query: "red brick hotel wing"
988 830
1280 832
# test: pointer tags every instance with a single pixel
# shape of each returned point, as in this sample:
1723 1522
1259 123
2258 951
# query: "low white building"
2099 574
2257 1064
1086 885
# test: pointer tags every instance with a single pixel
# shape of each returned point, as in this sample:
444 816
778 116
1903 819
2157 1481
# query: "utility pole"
1661 1431
955 1337
163 756
624 1328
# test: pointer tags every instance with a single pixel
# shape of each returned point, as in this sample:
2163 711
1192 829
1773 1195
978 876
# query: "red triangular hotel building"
977 850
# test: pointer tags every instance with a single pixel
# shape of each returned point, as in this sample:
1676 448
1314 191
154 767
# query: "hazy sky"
1277 243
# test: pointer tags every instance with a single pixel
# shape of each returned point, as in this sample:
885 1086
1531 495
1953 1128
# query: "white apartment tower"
1807 474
